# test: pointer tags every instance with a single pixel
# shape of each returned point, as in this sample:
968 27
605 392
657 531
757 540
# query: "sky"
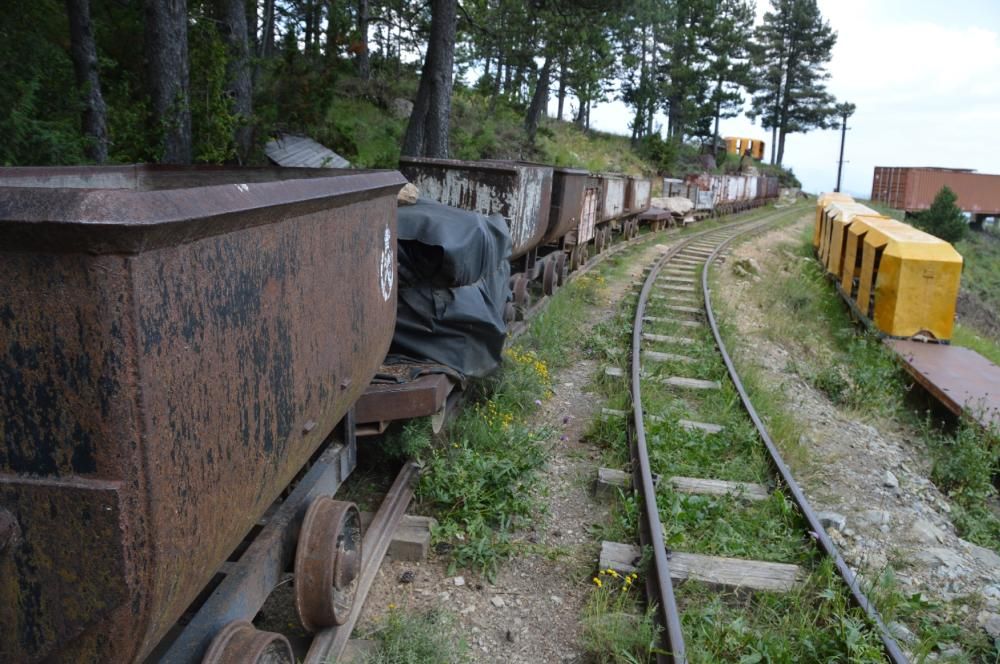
924 75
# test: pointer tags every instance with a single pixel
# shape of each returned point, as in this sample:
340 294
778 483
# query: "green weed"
615 629
417 638
965 463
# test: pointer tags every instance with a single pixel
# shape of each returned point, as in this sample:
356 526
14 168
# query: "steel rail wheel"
327 562
240 642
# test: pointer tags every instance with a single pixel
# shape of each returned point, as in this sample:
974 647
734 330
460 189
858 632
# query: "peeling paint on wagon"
173 349
518 191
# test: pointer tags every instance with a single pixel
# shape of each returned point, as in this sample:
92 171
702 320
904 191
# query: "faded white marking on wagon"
386 267
243 188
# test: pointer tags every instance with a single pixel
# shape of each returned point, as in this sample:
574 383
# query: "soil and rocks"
531 611
869 478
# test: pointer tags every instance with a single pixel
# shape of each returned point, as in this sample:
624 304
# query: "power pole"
845 111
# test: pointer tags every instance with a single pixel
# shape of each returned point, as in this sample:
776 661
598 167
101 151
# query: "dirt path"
873 474
532 611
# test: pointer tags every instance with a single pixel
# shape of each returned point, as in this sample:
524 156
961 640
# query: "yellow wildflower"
597 582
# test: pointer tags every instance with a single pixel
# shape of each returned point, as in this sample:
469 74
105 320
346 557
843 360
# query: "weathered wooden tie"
707 427
672 321
715 570
656 356
691 383
700 486
667 339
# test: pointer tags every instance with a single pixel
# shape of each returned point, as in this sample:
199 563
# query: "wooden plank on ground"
714 570
678 288
667 339
683 309
733 572
656 356
672 321
698 485
700 426
692 383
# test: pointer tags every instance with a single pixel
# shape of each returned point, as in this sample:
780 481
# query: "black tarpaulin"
453 284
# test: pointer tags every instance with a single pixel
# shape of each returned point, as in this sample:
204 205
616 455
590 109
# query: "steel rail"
651 532
892 648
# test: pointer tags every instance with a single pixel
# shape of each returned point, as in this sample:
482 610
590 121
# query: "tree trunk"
232 18
364 63
88 82
539 100
562 89
427 131
167 61
267 30
652 68
774 141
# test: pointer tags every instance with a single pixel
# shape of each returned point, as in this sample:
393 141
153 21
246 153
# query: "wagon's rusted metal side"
638 193
519 191
174 346
612 203
575 196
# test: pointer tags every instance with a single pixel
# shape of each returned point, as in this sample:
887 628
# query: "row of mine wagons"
541 204
711 191
901 279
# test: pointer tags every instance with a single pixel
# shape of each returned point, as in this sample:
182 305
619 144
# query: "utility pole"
845 111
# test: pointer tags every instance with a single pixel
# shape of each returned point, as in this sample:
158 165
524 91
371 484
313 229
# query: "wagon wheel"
522 298
574 258
239 642
327 563
549 277
599 240
561 268
509 312
584 254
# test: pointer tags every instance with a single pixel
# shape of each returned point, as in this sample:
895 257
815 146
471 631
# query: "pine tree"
943 219
792 48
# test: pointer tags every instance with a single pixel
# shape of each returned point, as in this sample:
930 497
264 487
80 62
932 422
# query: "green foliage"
39 107
212 121
417 638
363 133
480 483
944 219
965 463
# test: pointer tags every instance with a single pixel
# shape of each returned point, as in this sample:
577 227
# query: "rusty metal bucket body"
612 203
174 346
574 206
520 192
637 194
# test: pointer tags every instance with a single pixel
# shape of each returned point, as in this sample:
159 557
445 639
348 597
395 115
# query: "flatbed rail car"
175 345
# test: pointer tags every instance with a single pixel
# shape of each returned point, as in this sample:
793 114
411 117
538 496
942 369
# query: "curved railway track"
678 270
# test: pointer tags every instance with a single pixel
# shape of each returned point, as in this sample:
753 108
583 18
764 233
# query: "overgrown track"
699 252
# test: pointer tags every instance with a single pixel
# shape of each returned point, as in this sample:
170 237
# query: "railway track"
674 303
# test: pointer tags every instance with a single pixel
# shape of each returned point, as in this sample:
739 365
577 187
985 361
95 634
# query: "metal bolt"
344 384
308 426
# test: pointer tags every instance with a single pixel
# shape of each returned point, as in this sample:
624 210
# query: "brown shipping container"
914 189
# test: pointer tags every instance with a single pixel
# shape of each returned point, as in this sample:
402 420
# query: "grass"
616 630
417 638
480 483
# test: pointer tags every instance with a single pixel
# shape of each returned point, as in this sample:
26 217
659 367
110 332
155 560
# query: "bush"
944 219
